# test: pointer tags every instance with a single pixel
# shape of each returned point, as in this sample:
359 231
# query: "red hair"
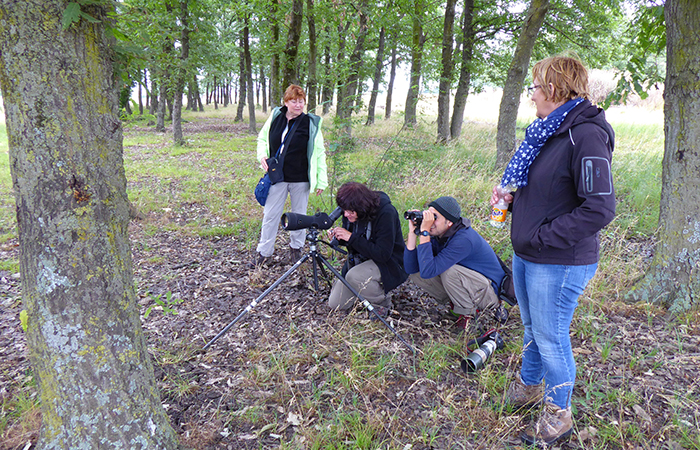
357 197
294 92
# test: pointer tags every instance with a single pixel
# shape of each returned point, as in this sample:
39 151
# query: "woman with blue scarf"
563 197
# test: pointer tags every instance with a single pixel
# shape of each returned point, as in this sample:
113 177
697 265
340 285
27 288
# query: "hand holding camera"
418 220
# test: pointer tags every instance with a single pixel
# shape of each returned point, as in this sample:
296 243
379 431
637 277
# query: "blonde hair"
566 74
294 92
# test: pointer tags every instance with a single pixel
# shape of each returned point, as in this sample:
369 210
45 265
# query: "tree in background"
443 118
87 349
513 87
673 277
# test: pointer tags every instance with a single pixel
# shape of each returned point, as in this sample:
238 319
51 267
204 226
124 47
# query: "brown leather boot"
554 424
520 395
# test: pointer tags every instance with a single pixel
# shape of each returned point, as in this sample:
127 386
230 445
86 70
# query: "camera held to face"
416 217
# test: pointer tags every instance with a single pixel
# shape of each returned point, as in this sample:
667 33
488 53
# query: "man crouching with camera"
371 231
448 259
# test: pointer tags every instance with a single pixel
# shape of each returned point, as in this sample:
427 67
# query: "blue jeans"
547 297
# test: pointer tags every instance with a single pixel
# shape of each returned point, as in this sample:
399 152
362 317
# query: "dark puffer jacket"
570 195
385 244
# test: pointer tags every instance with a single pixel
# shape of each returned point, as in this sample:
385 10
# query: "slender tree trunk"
214 93
443 118
275 91
328 81
249 76
390 87
241 85
416 66
379 64
290 75
465 72
673 276
178 138
513 88
140 96
263 88
160 117
313 56
347 98
86 345
155 88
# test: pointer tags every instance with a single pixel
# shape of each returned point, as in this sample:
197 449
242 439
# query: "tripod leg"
258 300
364 301
324 274
314 264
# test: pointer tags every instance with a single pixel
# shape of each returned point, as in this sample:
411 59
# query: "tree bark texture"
328 81
443 118
390 86
465 72
249 77
513 88
178 138
241 83
312 89
673 277
275 91
418 42
290 75
346 95
87 349
378 66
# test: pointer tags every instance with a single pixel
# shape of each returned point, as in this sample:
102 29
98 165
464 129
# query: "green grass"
349 387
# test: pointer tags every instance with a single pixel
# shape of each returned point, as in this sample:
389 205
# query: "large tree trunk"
87 349
311 93
465 73
390 86
416 65
178 138
290 75
673 277
513 88
249 78
378 66
443 118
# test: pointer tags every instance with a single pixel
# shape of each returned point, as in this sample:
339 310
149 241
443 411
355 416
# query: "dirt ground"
213 276
640 354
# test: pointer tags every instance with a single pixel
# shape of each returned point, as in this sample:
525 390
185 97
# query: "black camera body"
416 217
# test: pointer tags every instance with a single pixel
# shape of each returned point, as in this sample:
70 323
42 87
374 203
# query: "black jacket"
385 244
569 197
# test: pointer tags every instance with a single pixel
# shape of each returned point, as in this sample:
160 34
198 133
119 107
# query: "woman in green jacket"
303 157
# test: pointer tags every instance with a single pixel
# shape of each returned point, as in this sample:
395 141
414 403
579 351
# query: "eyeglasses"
532 88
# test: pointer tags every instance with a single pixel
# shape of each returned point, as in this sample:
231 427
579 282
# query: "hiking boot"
554 424
520 395
501 313
294 254
260 260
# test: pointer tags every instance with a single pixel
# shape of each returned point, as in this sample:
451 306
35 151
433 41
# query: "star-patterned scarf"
537 133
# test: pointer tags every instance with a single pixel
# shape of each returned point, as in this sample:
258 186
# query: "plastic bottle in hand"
499 212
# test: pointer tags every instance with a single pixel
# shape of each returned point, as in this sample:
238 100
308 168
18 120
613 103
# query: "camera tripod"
318 261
